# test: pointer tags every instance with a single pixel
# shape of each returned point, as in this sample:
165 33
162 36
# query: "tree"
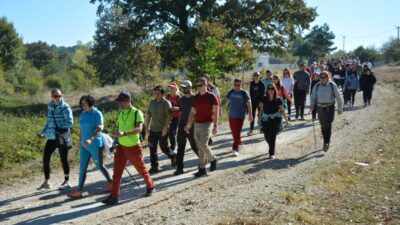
316 44
80 61
39 53
268 25
366 53
11 46
391 51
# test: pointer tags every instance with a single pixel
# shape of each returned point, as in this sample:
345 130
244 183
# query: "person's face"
302 68
368 72
236 85
172 89
256 77
186 90
158 95
125 104
84 105
269 74
323 79
270 90
275 80
200 85
285 73
56 96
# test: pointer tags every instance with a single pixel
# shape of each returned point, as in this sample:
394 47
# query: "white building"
262 61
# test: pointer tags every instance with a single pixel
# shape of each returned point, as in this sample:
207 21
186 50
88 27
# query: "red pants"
236 125
135 156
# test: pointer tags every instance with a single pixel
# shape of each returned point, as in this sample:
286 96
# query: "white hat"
186 83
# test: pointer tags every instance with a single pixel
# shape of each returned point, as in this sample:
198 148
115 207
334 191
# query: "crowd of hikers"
177 116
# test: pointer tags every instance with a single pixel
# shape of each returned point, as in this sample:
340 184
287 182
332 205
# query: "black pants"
271 130
300 97
173 126
50 147
156 138
367 95
325 117
182 138
254 107
349 96
289 106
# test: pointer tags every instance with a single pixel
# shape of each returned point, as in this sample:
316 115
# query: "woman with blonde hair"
288 83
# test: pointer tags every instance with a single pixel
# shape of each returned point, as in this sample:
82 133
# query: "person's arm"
99 128
250 111
148 120
286 94
313 97
168 117
308 82
189 123
338 99
260 111
69 118
283 113
216 110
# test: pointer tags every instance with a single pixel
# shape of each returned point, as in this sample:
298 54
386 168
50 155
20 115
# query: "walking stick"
315 137
132 177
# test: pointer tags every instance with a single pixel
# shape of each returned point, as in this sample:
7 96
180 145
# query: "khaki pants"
202 132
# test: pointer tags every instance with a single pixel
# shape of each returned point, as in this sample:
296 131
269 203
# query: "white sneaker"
64 186
250 133
236 153
271 157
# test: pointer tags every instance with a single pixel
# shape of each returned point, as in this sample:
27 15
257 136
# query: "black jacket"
257 91
367 82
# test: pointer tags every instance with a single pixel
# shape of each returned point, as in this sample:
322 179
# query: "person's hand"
311 109
119 134
214 131
40 136
164 131
251 118
287 123
187 129
87 142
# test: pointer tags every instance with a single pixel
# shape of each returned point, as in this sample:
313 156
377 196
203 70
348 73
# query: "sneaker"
201 172
301 119
75 194
150 192
64 186
178 172
213 165
45 186
153 170
271 157
250 133
326 147
110 201
173 160
108 187
235 152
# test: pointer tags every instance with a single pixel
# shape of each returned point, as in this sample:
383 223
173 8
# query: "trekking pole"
132 177
315 137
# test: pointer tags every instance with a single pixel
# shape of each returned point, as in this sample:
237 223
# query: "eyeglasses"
236 85
83 105
56 96
199 85
269 89
323 77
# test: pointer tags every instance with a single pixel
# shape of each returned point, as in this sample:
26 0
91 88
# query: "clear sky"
64 22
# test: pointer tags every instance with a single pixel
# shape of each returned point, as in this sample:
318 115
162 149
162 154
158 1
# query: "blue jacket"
62 115
351 83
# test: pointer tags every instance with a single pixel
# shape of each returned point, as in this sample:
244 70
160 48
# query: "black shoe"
210 141
213 165
326 147
153 170
178 172
200 173
150 192
173 160
110 201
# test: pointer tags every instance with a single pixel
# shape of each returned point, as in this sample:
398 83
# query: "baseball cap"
172 85
123 96
186 83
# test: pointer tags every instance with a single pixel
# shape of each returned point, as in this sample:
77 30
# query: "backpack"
244 96
332 88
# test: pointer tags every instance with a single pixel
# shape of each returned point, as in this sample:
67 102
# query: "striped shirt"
62 115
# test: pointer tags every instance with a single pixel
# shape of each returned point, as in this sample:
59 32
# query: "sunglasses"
236 85
83 105
271 89
56 96
199 85
323 77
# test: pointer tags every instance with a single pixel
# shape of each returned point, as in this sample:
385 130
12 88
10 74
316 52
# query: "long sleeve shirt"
257 91
302 80
326 94
288 82
60 116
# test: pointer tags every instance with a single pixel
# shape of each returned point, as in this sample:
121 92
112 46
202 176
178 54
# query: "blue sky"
64 22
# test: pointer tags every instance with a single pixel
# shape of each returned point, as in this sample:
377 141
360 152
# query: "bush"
33 84
54 82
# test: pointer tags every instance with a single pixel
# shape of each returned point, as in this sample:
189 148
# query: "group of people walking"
174 118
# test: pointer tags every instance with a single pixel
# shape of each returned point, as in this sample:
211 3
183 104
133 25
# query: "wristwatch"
124 134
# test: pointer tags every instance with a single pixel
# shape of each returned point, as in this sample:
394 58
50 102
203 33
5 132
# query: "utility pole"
344 40
398 35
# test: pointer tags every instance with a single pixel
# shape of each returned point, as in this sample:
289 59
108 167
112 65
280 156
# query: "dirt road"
241 187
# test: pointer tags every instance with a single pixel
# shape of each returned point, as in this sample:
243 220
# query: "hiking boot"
326 147
150 192
213 165
178 172
75 194
153 170
108 187
65 185
201 172
250 133
45 186
110 201
173 160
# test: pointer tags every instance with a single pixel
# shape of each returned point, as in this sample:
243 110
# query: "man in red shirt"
204 112
174 98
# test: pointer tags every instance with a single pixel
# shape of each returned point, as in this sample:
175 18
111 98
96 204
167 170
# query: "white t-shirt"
288 82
